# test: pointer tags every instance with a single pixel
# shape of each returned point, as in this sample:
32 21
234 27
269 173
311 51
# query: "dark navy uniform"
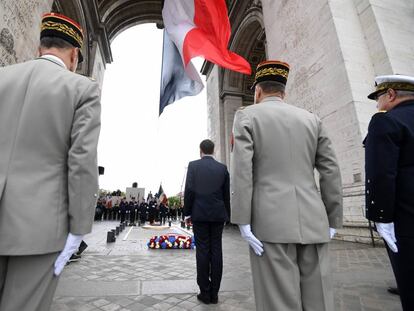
143 212
389 165
163 213
123 208
131 210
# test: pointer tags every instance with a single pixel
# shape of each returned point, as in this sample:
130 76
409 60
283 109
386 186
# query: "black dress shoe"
214 299
393 290
203 299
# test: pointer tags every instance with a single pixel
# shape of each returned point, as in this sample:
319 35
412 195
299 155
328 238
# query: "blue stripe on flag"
175 83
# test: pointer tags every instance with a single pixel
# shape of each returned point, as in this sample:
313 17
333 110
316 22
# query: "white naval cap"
395 82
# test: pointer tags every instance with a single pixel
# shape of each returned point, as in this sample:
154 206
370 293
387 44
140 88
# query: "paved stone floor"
125 275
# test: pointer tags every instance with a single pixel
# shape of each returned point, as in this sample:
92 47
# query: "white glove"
71 246
332 232
246 233
387 232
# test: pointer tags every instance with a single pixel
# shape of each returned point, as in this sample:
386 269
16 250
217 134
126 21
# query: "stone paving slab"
97 288
126 276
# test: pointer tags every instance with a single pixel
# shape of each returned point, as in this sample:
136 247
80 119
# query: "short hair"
207 146
404 93
270 87
55 42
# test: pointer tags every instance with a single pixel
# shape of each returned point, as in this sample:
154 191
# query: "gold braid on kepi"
61 26
271 70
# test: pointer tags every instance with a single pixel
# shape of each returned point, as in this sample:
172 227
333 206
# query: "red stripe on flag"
211 36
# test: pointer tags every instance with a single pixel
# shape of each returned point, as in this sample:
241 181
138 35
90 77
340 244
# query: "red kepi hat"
61 26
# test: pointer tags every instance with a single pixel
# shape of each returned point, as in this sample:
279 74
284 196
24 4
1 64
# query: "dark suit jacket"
389 167
207 191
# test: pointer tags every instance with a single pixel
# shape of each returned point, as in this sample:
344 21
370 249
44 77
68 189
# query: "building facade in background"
335 49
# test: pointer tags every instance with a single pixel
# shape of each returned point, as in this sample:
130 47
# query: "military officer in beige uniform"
275 199
49 128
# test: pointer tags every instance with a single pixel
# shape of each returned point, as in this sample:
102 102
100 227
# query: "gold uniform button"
372 202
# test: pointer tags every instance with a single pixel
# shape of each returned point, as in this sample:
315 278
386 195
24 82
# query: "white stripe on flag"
178 16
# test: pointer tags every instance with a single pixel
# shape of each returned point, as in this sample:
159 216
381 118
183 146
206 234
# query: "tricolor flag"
162 197
175 82
201 28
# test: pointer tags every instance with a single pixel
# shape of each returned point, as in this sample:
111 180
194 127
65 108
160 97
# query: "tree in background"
173 201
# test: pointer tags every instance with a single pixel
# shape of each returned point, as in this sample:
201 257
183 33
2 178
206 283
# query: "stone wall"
20 28
215 129
230 105
389 30
335 49
98 67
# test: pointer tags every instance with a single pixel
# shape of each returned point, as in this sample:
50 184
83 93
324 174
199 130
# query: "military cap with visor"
63 27
395 82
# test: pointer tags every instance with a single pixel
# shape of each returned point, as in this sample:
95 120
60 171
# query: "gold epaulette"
381 111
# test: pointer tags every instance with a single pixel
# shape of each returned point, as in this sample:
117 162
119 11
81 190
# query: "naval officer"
389 171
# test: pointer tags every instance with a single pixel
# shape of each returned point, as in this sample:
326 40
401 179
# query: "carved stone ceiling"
118 15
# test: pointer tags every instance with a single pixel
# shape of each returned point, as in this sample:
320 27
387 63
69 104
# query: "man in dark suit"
389 166
207 206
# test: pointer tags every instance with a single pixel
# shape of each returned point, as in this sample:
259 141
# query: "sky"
136 145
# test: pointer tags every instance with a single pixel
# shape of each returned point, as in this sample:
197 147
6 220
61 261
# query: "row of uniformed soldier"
134 211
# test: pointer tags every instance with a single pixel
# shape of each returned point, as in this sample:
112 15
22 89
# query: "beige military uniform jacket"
276 150
49 128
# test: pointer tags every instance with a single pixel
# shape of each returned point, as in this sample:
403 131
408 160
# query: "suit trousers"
209 256
405 275
294 277
393 260
27 283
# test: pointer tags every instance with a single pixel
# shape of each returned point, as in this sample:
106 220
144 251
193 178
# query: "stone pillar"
215 115
389 31
230 104
20 29
98 70
335 49
325 77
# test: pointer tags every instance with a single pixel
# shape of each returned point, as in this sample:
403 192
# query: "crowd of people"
137 212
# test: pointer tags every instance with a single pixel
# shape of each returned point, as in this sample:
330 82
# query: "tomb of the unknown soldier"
334 49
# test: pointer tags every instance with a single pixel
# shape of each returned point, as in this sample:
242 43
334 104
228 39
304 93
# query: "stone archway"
233 88
335 48
102 21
